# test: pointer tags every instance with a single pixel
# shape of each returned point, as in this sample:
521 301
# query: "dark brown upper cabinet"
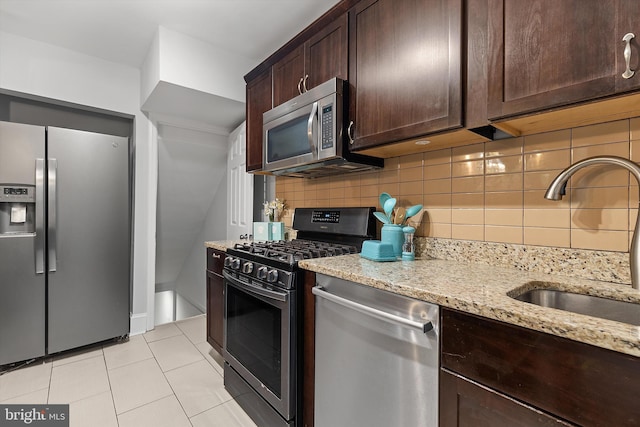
405 69
546 54
322 57
258 101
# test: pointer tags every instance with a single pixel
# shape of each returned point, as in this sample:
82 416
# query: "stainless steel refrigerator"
65 246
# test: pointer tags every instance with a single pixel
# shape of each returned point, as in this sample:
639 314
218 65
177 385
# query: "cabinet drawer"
215 260
583 384
465 403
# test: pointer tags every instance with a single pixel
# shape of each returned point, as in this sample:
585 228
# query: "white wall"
190 283
186 79
191 187
198 65
45 70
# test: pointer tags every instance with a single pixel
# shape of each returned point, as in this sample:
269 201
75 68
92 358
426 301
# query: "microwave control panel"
327 126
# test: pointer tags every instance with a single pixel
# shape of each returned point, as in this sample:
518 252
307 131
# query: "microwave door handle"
312 117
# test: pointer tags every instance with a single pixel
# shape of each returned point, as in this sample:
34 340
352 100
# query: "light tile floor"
167 377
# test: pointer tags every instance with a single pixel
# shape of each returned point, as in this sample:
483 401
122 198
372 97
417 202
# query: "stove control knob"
262 273
247 268
227 261
235 264
272 276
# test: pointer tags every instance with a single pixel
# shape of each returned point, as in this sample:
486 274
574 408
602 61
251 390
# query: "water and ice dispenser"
17 209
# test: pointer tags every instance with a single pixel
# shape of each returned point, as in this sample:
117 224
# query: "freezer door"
89 229
22 290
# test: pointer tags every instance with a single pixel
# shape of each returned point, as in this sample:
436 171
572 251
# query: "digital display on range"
326 216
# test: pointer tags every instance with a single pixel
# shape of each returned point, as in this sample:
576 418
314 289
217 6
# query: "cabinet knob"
304 83
215 255
628 73
350 133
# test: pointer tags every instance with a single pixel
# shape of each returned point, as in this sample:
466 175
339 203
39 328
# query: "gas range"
264 310
276 262
322 232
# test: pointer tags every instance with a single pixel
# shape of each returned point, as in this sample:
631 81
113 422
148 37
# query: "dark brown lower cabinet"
215 298
466 403
496 374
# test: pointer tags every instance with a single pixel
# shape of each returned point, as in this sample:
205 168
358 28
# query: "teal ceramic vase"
392 233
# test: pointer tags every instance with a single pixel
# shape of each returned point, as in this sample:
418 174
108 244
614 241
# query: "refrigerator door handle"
39 241
52 219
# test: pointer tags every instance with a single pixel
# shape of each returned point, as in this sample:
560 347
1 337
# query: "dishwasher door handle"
422 327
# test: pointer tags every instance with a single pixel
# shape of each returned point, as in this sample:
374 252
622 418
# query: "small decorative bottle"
408 250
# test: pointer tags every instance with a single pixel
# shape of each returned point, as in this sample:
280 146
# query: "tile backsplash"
493 191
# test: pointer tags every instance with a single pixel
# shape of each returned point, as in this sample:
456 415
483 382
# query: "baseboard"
138 324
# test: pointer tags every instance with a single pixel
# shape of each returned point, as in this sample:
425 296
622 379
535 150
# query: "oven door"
259 336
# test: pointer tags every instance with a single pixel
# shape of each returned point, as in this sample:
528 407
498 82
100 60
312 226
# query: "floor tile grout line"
127 364
176 396
165 378
86 397
113 402
145 404
203 356
50 379
213 407
188 364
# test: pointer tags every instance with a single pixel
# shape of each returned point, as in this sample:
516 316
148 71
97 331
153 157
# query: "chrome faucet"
558 188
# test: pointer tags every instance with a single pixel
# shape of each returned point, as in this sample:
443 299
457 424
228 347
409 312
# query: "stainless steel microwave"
304 137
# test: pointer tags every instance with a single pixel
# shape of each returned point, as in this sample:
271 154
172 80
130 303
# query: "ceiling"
122 31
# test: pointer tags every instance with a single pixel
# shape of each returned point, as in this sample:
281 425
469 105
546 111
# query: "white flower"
273 207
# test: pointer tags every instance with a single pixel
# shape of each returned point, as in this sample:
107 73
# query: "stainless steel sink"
604 308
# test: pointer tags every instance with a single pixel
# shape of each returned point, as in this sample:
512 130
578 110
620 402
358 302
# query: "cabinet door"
215 310
215 300
322 57
464 403
583 384
258 101
404 69
326 54
549 53
628 22
215 260
288 76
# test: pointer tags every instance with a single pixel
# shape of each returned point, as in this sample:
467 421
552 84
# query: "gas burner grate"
293 251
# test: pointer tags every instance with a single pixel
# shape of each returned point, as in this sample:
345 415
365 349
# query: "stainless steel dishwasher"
376 357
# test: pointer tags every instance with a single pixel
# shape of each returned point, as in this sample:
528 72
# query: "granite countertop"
222 245
484 290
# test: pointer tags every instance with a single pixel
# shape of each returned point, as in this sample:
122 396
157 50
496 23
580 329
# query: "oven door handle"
257 290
